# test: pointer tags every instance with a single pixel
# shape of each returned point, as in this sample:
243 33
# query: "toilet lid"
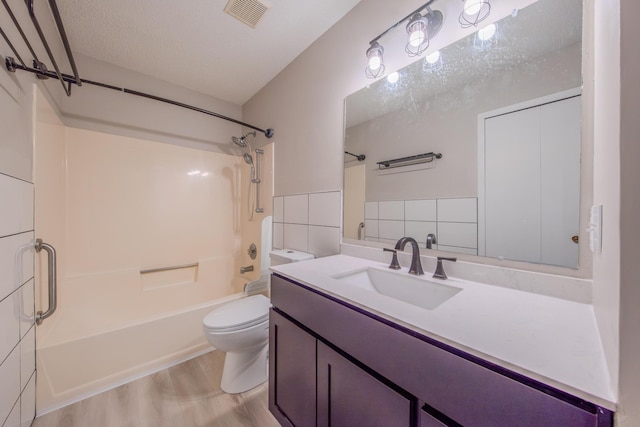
238 314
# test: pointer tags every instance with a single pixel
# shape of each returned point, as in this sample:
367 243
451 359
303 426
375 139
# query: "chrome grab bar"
51 266
173 267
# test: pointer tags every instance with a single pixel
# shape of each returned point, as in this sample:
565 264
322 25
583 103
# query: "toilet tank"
286 256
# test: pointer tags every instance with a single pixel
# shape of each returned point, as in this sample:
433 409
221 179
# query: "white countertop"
549 339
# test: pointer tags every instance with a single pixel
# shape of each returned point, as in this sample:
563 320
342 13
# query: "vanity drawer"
464 388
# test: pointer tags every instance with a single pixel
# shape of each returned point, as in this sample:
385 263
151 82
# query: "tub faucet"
246 269
416 266
439 273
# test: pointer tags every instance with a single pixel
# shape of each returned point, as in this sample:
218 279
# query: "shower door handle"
51 263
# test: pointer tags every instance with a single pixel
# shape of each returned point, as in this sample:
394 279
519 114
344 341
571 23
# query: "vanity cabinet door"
292 373
430 417
348 396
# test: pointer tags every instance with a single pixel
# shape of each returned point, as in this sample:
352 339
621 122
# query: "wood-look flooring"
185 395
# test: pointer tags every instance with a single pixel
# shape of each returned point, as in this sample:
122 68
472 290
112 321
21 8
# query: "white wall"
629 214
606 189
109 111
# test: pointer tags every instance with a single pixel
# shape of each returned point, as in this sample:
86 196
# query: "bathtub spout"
246 269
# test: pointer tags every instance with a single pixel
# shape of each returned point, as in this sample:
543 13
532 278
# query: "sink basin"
418 291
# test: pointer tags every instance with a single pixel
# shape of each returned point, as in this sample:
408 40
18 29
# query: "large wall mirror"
502 119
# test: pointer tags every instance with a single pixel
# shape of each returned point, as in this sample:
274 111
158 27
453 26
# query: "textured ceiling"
195 44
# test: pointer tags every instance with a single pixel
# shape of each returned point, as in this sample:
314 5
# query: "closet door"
560 181
512 185
532 183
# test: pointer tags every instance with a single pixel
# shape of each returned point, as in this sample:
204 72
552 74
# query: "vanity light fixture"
421 28
474 12
375 60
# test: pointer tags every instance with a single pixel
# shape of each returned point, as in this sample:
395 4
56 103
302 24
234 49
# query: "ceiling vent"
249 12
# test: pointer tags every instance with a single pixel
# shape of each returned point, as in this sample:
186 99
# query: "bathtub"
70 369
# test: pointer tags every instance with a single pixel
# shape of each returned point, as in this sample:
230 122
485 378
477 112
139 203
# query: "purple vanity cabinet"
292 373
332 363
349 396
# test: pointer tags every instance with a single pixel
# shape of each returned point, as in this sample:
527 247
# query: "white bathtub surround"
308 222
553 340
454 222
80 366
146 207
261 284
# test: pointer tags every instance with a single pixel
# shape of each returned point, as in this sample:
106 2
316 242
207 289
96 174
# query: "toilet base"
244 370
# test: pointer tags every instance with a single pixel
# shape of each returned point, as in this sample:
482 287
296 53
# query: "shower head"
248 158
242 141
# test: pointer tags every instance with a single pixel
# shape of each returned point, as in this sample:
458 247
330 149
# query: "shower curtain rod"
41 72
12 65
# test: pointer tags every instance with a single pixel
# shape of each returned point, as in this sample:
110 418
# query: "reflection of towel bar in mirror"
409 160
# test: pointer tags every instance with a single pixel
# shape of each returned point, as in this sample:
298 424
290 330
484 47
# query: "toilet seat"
239 314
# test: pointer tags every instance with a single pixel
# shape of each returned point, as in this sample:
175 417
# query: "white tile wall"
296 236
26 298
390 230
17 404
458 210
16 209
453 221
419 230
27 357
9 383
16 261
278 209
278 235
296 209
10 331
464 235
14 417
308 222
325 209
468 251
371 210
420 210
16 299
28 402
391 210
371 228
324 241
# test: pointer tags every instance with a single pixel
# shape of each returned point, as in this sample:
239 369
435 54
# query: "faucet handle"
395 265
439 273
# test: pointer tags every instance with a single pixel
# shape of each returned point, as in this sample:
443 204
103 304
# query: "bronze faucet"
416 265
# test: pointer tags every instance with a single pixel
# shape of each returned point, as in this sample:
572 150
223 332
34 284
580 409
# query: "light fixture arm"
418 10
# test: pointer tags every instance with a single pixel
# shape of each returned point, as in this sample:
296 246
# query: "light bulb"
487 32
417 33
374 62
393 77
416 38
432 58
472 7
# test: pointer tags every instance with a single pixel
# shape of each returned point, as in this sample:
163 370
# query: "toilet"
240 328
